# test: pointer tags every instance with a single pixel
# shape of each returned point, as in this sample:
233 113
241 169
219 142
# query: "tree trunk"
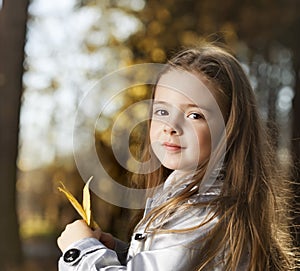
13 18
296 146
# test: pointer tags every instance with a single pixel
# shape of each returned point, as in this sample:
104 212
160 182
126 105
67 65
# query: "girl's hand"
76 231
108 240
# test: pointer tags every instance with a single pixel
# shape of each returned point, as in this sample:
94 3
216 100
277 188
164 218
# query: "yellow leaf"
83 210
86 202
73 201
94 224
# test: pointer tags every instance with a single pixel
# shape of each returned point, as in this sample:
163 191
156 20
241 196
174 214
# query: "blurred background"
53 52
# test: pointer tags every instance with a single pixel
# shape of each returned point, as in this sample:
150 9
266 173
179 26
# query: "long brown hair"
251 206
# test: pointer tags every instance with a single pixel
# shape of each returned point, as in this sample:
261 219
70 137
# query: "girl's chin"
179 167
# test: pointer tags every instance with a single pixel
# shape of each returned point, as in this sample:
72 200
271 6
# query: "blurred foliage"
257 31
174 24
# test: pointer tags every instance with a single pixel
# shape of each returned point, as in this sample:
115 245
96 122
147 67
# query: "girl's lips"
171 147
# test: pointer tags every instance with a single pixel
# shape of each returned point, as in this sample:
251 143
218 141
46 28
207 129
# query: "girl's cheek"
154 129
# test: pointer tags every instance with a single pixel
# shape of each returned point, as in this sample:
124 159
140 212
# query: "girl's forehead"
177 84
168 94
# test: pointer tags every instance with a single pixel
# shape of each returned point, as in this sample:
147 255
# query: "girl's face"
179 133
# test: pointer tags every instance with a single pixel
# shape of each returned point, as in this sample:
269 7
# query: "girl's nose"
172 129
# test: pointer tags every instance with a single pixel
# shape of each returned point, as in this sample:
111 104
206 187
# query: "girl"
217 206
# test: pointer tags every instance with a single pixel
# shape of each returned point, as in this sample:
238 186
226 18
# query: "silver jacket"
148 251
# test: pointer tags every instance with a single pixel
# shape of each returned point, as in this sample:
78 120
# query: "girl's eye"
195 116
161 112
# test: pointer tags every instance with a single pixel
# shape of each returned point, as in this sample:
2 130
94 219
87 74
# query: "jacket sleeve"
89 254
94 256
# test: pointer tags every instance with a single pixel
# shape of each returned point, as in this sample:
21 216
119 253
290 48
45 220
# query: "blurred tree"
13 17
295 42
89 35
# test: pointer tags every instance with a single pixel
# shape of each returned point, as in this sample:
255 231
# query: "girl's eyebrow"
160 102
155 102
